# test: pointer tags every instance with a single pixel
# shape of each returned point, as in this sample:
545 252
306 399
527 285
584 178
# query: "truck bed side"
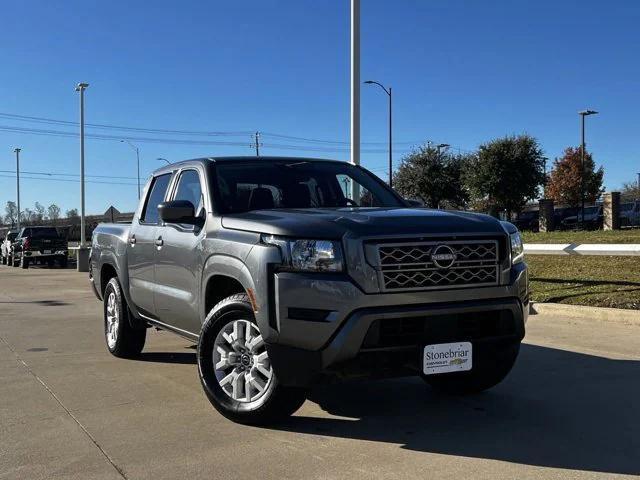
108 255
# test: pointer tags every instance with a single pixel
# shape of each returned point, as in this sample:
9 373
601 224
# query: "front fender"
228 266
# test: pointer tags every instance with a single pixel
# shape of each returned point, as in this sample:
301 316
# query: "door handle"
132 239
159 242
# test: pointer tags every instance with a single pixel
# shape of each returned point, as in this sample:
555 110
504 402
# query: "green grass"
597 236
593 281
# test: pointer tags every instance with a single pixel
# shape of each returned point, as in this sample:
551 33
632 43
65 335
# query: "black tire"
129 341
277 401
490 366
50 262
24 262
4 260
64 261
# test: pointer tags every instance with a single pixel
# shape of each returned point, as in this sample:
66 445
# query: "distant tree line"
50 215
503 175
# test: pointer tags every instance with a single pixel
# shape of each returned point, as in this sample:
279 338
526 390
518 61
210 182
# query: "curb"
617 315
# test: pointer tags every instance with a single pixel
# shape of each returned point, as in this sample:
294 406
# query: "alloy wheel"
113 319
241 362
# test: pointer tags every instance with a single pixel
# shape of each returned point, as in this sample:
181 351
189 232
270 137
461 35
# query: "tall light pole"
137 150
81 87
355 91
583 114
544 184
160 159
389 94
17 150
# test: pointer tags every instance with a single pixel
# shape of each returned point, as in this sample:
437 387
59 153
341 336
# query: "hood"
334 223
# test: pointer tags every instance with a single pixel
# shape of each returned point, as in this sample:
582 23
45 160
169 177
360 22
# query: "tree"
11 211
565 180
72 215
27 217
54 213
630 191
39 213
506 173
433 177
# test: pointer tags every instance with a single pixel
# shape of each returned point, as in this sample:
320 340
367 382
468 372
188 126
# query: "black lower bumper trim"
296 366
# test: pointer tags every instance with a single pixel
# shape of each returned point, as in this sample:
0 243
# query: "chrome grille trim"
408 266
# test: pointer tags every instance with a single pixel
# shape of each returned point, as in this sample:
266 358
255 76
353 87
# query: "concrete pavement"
68 409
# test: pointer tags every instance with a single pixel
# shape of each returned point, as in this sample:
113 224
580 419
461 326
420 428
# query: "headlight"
517 249
307 255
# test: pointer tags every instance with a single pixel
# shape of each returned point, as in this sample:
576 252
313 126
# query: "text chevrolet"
291 271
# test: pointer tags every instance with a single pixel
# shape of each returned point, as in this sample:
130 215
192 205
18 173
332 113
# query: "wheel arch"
223 276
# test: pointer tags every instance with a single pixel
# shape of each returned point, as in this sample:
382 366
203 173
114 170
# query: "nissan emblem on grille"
443 256
428 265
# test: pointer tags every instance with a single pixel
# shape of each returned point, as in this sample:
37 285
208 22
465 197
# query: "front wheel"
122 339
24 262
235 370
490 367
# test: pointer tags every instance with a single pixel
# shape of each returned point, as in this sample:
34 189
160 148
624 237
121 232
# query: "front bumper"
324 322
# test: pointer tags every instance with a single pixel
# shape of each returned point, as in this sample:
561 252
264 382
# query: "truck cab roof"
206 161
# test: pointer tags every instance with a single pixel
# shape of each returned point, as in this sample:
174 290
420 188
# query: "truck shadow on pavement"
556 409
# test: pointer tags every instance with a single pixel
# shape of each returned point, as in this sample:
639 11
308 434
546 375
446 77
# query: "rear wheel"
235 370
122 339
64 261
24 262
490 367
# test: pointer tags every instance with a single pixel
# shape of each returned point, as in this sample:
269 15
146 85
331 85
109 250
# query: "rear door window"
157 194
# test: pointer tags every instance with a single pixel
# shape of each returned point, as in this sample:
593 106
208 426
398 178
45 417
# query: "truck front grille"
438 265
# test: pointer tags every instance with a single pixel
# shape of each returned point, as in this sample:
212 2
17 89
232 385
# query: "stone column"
546 215
611 211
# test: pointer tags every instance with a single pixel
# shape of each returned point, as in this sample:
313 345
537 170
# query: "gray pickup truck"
288 272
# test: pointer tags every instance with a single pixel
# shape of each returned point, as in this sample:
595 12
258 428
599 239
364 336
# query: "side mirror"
178 211
413 202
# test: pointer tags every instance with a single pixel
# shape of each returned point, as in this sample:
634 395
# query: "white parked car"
5 247
630 214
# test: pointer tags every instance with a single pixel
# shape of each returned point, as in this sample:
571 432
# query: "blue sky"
462 72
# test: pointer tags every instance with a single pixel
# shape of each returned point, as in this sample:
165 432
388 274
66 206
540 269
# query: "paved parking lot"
68 409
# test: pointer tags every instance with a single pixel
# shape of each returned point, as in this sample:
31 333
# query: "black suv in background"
43 244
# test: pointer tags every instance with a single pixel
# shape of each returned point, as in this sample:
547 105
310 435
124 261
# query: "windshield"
12 236
291 183
40 233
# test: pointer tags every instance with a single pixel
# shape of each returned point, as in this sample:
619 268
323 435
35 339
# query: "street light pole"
81 87
390 95
355 87
583 114
137 150
160 159
17 150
